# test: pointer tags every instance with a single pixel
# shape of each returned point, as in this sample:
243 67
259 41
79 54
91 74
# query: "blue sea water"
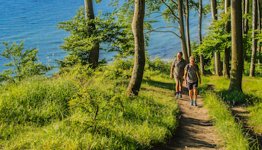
35 23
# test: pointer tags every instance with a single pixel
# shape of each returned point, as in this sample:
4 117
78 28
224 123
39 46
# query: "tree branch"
170 9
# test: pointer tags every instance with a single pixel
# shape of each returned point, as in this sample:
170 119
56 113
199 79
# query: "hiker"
177 73
192 77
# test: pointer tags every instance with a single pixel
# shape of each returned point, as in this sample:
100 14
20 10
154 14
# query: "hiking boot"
177 96
192 103
180 95
195 103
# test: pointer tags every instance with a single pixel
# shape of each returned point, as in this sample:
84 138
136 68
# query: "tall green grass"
81 109
225 124
252 94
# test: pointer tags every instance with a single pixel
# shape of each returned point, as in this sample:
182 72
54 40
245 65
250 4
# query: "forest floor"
195 131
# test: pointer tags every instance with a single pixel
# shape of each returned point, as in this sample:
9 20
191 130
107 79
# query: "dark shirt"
192 73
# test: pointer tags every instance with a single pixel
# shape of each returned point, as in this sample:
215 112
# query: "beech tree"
139 42
237 46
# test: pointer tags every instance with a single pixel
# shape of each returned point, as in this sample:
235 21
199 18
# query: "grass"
83 109
225 124
252 94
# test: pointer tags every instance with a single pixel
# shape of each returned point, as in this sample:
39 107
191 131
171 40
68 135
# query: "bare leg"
177 85
180 86
191 94
195 95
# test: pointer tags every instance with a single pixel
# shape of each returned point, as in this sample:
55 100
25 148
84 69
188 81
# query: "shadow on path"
195 130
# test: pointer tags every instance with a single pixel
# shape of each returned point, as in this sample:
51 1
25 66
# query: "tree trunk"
200 35
218 68
237 46
226 66
187 29
259 3
94 52
181 29
246 26
254 40
214 9
139 41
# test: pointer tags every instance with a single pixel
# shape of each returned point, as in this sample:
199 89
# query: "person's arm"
185 74
172 70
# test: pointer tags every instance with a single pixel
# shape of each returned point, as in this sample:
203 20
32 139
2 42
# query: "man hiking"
177 73
192 77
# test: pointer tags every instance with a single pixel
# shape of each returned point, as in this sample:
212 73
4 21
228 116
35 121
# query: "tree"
182 29
217 54
254 38
237 47
226 68
111 30
94 52
139 58
246 27
200 13
23 63
259 4
187 28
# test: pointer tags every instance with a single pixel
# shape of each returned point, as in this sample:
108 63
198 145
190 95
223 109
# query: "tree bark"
187 29
254 40
214 9
218 68
259 3
246 25
237 47
94 52
226 66
200 11
139 42
181 29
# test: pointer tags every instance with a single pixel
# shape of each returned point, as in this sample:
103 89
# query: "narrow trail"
195 130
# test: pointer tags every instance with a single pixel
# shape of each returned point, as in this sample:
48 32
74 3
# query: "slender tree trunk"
259 3
94 52
226 67
254 40
182 29
246 26
218 68
200 35
214 9
237 46
139 59
187 29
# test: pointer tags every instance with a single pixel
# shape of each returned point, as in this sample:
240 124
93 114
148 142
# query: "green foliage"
159 67
217 38
86 109
225 124
84 33
37 101
22 63
252 95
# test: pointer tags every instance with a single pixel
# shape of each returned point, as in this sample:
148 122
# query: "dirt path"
195 130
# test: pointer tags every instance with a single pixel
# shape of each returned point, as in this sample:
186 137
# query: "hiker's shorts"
193 85
179 79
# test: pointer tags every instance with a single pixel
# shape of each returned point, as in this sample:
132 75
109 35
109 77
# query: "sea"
35 23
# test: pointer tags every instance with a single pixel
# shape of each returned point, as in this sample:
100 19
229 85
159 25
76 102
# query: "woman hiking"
192 77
